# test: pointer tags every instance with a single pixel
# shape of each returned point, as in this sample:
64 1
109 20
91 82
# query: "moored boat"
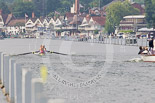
148 58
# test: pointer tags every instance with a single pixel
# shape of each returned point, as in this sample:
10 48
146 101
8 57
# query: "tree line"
150 13
47 7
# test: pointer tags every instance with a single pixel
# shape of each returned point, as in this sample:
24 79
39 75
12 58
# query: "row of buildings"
72 23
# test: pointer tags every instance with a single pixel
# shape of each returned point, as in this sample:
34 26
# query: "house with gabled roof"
91 24
2 23
58 24
46 22
51 21
4 19
11 25
51 24
39 22
15 26
36 24
131 23
30 25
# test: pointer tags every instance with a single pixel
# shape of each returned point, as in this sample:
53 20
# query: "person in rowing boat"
141 50
42 49
146 50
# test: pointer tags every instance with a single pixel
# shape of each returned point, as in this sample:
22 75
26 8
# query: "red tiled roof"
99 20
68 15
77 20
41 19
88 17
34 19
138 6
10 17
4 16
17 22
7 18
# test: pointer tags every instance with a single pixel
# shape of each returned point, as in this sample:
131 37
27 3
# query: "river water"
91 73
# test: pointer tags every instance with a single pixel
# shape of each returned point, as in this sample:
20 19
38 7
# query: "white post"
0 67
26 86
56 101
6 73
18 83
37 91
2 64
11 80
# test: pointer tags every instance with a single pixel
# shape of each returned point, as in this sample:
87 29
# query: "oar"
56 52
25 53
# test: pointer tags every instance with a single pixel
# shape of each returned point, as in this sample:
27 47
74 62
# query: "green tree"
40 7
18 0
150 12
4 7
51 14
139 1
53 5
8 1
21 8
96 31
115 13
65 6
94 3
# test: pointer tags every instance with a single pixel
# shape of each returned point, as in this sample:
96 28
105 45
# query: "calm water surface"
76 78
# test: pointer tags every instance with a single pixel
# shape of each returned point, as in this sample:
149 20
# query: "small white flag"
26 15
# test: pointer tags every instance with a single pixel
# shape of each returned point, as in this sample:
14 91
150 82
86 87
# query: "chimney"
77 6
33 15
0 11
87 15
11 14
